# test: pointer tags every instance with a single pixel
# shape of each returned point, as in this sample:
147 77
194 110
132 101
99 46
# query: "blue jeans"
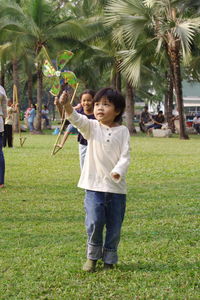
46 119
155 126
31 127
2 161
104 210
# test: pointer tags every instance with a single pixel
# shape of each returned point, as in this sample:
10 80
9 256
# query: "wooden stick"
56 147
59 134
22 140
46 53
74 93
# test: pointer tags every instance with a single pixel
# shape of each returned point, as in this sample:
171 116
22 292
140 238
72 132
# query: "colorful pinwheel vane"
57 75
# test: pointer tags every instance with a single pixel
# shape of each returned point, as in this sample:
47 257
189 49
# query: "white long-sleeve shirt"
108 152
3 107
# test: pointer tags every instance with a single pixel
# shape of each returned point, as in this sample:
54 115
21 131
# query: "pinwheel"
57 75
57 146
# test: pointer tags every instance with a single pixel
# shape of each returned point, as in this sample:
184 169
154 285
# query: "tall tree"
101 52
162 21
37 24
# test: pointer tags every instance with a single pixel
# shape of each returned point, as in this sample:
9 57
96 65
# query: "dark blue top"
81 139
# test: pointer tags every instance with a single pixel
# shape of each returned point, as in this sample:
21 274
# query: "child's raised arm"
81 122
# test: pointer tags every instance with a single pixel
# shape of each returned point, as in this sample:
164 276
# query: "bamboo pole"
16 101
57 147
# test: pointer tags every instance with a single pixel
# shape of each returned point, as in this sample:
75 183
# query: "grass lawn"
43 239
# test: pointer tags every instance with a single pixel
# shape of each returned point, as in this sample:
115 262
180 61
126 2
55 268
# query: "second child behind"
85 107
103 174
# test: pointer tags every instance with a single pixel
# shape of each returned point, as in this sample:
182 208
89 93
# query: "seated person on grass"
158 121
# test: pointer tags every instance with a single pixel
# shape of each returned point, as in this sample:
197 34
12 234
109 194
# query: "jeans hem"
110 256
94 252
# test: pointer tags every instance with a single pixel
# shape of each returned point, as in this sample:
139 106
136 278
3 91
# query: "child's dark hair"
114 97
90 92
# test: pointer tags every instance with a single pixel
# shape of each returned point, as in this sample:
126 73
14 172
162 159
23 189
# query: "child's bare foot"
2 186
64 98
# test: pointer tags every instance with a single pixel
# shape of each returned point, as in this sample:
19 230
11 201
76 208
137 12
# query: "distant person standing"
45 115
3 115
31 116
8 127
145 118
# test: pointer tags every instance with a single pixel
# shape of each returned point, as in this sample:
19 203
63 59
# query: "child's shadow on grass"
155 267
151 267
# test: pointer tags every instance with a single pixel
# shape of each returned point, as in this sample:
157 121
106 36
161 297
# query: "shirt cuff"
114 179
72 116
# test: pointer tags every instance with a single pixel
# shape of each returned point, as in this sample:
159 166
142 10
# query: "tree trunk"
113 78
16 83
39 98
118 81
30 89
169 101
174 54
2 75
130 109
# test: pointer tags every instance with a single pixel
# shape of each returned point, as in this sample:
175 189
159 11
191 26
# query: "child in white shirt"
3 115
103 175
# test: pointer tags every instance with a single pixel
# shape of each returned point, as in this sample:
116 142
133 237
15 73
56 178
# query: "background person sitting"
145 118
196 123
158 121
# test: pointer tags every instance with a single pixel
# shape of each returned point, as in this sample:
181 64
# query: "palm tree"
162 22
9 51
36 24
100 54
3 50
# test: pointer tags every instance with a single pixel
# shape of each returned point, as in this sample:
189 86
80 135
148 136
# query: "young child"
103 174
85 108
3 115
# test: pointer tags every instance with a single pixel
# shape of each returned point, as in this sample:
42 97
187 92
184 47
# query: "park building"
191 101
191 98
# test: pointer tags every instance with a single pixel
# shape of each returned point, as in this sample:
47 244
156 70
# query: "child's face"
87 103
105 112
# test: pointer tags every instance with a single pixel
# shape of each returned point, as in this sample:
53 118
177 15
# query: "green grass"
43 240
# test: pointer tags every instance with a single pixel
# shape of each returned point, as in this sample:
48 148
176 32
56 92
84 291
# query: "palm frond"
185 31
69 29
130 65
